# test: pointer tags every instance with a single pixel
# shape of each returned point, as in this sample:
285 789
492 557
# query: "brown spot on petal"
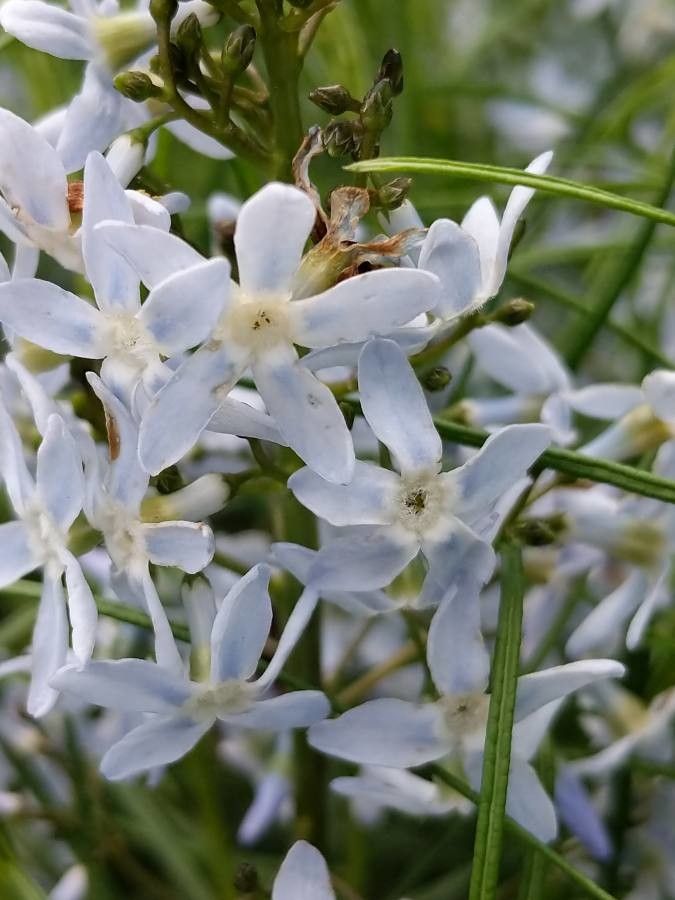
114 440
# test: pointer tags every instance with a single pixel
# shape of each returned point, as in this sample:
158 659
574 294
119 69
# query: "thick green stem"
283 62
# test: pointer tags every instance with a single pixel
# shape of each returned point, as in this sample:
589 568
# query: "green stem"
497 752
613 280
283 62
582 881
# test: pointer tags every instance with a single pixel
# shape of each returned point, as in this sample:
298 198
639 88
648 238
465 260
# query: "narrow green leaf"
549 184
590 888
497 752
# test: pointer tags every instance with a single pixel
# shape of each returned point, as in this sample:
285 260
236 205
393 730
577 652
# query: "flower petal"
114 282
519 359
46 315
606 401
306 413
458 658
48 28
181 311
539 688
303 875
659 389
368 558
59 476
82 611
155 743
482 223
271 233
18 482
395 407
187 545
50 645
166 651
32 178
241 627
127 685
359 307
459 561
382 733
450 253
17 556
367 500
608 617
182 409
293 630
299 709
237 417
528 804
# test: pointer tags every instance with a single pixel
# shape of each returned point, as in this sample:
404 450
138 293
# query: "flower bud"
238 49
513 313
436 379
340 138
196 501
163 10
189 35
391 195
137 86
391 69
125 157
537 532
377 108
334 99
246 876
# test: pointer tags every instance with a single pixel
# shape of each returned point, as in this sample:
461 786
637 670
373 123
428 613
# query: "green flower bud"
377 108
136 86
189 35
391 195
246 878
436 379
392 70
513 313
238 49
536 532
341 138
163 10
334 99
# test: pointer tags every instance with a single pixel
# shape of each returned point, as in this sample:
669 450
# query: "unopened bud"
513 313
377 109
347 410
246 876
436 379
189 35
334 99
163 10
238 49
390 196
391 69
194 502
137 86
536 532
340 138
125 157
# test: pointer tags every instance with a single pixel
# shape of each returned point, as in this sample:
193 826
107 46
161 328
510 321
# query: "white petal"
293 630
114 282
126 481
154 254
367 500
48 28
643 616
515 207
606 401
82 611
272 230
166 651
241 627
369 558
32 178
528 804
17 557
529 732
46 315
659 389
609 759
382 733
502 460
482 223
452 255
18 482
303 875
181 311
395 407
236 417
456 652
539 688
59 476
180 412
94 118
519 359
26 259
306 413
458 560
50 645
147 211
365 305
608 617
187 545
198 141
127 685
155 743
298 709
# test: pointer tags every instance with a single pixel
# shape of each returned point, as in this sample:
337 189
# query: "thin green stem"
548 184
497 753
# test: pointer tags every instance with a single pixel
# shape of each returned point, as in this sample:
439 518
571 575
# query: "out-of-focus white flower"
303 873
